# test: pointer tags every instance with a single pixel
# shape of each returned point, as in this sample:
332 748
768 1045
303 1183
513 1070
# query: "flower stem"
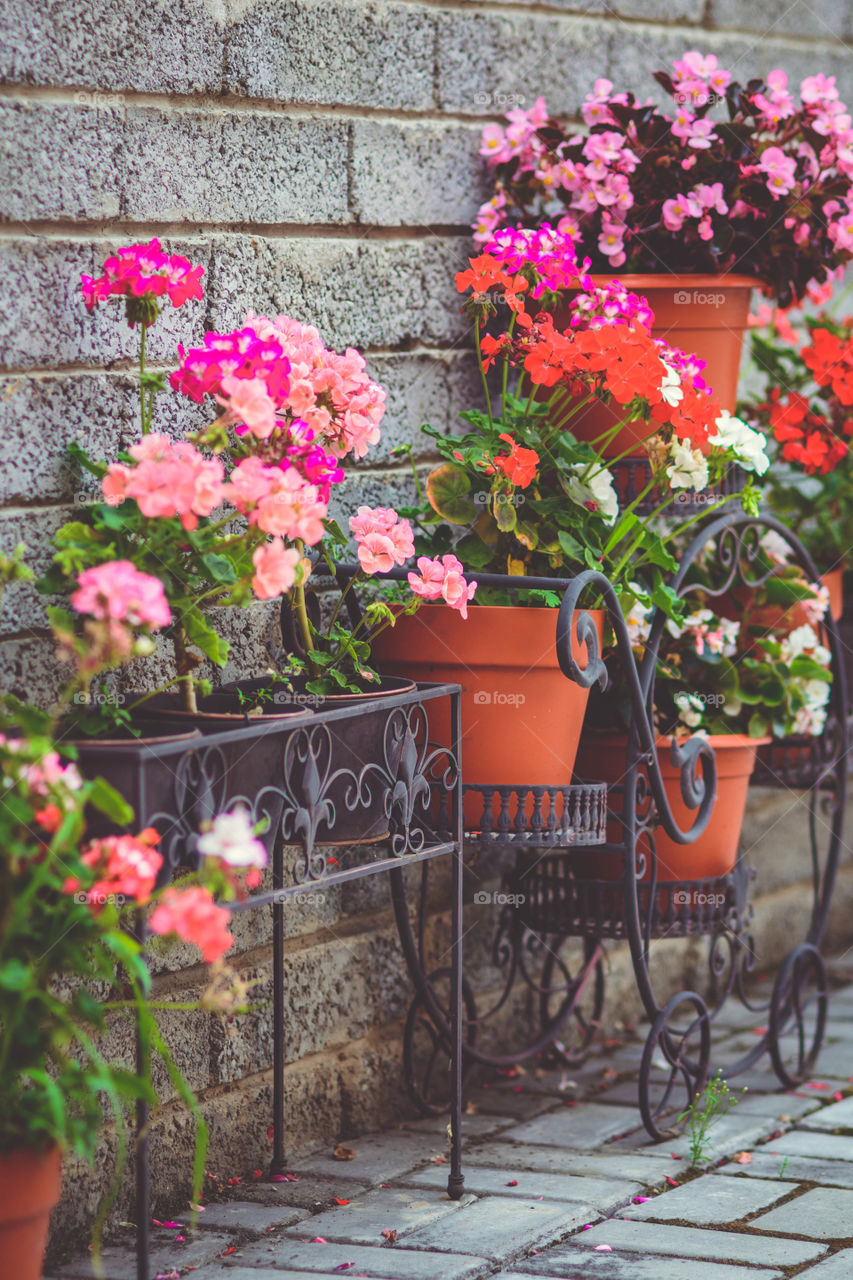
184 666
143 337
482 369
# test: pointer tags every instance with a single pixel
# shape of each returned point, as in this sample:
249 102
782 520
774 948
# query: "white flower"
638 619
596 492
748 446
688 467
690 709
670 387
775 547
232 839
801 640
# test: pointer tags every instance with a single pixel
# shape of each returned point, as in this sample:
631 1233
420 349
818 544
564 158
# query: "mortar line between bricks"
97 231
129 369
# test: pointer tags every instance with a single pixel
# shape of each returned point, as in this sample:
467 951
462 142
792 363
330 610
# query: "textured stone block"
828 21
358 291
586 1127
490 62
562 1261
822 1214
343 52
384 1264
417 174
170 47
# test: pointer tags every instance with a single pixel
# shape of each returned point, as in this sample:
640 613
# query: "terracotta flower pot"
834 582
714 853
29 1189
521 717
701 314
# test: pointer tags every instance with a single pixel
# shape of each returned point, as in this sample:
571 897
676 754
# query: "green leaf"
570 545
447 488
506 516
202 635
220 568
14 975
110 802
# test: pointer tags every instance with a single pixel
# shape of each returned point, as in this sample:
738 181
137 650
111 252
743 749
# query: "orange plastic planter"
701 314
521 717
29 1189
714 853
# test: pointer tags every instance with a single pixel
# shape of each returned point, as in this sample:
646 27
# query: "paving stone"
728 1135
831 1173
378 1157
692 1242
476 1126
502 1229
243 1215
505 1102
710 1200
838 1267
563 1261
837 1116
605 1194
514 1156
120 1260
381 1263
823 1214
583 1127
307 1193
364 1219
820 1146
784 1107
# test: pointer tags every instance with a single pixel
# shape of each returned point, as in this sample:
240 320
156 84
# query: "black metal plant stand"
289 778
548 903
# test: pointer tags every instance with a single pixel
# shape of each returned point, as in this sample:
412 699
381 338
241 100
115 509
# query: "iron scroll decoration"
698 786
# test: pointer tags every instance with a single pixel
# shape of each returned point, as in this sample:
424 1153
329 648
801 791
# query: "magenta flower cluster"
146 273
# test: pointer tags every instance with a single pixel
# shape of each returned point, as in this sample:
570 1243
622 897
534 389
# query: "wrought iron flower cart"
547 906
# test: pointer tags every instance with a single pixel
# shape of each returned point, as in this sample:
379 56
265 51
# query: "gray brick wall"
318 157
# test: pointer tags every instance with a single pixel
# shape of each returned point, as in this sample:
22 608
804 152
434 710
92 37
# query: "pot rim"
663 279
118 743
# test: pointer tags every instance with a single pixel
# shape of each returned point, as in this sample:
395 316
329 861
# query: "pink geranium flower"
144 271
275 569
443 580
383 538
193 915
249 404
118 591
126 867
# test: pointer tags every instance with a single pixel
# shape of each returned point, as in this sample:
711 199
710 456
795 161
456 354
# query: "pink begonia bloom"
701 134
118 591
819 88
493 144
232 838
376 553
610 243
841 232
275 569
780 169
710 196
194 917
699 64
249 403
443 579
144 270
675 211
705 230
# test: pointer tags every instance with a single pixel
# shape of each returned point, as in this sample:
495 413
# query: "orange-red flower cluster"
483 276
806 438
519 465
831 361
623 361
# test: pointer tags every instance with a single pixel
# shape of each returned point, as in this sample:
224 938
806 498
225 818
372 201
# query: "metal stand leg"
456 1181
278 1161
